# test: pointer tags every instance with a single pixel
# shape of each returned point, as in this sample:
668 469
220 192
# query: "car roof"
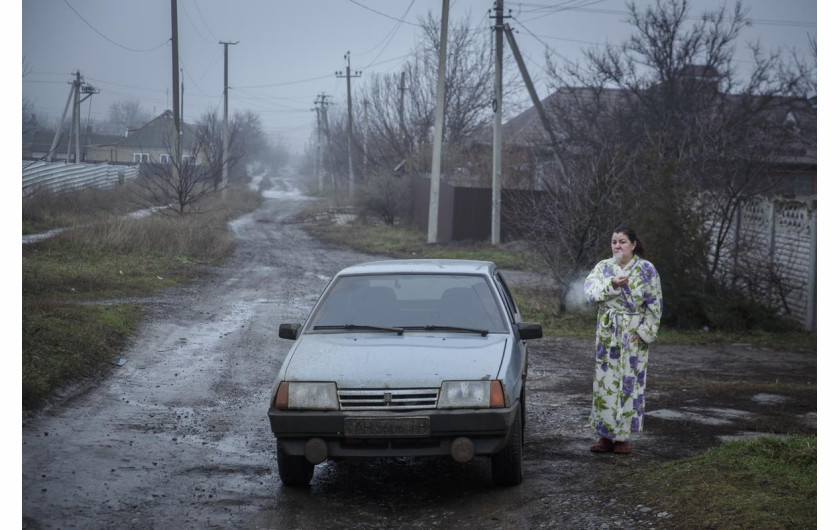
422 266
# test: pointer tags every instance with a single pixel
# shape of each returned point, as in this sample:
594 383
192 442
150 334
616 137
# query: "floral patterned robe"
618 402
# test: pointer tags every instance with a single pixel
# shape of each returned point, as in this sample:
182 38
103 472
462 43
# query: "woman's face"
622 247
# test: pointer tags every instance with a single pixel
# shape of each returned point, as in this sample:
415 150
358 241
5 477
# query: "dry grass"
45 210
108 256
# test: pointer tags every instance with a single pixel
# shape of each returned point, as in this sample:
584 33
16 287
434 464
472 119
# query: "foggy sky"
288 51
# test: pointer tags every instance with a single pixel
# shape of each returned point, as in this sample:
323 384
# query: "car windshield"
410 301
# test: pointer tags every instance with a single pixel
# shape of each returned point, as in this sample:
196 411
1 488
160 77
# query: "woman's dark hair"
631 235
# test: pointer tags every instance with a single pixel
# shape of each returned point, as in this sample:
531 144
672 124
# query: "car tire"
295 471
507 463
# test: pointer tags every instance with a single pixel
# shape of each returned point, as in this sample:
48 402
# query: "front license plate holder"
409 427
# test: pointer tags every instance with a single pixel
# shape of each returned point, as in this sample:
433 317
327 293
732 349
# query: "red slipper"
622 448
603 445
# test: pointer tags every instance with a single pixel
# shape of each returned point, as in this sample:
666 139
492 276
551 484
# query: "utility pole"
348 75
434 186
225 131
402 107
61 125
182 95
318 145
77 84
365 140
321 109
90 91
496 206
176 106
536 101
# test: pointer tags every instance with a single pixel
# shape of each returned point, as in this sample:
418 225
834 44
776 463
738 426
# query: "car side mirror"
289 331
529 330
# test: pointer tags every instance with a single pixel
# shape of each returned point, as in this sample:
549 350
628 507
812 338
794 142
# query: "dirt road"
178 436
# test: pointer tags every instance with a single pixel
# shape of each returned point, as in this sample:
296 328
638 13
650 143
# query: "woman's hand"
619 281
635 337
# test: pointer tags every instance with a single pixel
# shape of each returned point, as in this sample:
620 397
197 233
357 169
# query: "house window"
141 157
186 159
164 158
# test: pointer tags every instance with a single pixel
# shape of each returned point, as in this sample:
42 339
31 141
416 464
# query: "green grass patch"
542 305
70 330
64 342
764 483
406 242
79 272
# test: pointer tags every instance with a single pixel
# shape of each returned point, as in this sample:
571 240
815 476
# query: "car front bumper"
486 432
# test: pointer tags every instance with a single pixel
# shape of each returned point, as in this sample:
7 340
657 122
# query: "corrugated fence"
61 176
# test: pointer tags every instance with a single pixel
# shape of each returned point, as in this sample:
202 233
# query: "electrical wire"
204 22
181 63
381 13
112 41
288 82
582 8
393 33
189 19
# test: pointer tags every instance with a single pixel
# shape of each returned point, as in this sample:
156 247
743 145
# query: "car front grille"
388 399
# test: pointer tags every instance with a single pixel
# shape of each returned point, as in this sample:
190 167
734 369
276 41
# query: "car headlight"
312 396
471 394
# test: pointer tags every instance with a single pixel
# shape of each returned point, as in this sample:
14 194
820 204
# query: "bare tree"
180 184
126 114
662 133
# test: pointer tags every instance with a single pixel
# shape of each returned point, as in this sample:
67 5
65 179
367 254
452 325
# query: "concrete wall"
771 254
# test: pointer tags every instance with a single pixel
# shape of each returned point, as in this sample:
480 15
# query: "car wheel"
507 463
295 471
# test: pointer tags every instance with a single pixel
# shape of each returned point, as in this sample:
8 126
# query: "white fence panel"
772 248
61 176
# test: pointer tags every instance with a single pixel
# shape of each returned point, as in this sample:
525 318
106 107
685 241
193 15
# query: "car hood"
384 360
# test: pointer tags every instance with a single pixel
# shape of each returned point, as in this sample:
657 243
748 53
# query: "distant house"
150 143
794 165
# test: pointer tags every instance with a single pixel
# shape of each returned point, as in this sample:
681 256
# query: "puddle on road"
701 415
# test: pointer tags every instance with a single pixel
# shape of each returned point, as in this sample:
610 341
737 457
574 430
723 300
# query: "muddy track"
178 436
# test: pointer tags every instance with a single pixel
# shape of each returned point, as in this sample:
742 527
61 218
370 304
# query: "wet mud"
178 436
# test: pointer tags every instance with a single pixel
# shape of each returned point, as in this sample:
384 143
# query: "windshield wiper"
435 327
398 331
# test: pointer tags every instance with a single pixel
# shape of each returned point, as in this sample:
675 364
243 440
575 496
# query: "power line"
383 14
393 33
563 6
287 82
189 19
204 22
112 41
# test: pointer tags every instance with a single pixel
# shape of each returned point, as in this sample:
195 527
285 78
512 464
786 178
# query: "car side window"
506 296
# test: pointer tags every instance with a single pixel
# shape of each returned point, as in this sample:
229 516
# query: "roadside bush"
386 197
731 311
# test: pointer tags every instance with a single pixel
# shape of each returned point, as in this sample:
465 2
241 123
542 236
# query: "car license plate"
387 427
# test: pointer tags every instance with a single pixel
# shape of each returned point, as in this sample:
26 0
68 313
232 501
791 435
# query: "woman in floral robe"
629 296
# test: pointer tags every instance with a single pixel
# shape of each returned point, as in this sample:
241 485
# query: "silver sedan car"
405 358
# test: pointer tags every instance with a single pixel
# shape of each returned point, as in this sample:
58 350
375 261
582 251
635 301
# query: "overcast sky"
288 51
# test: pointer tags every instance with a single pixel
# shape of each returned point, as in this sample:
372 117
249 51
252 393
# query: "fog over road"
178 437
